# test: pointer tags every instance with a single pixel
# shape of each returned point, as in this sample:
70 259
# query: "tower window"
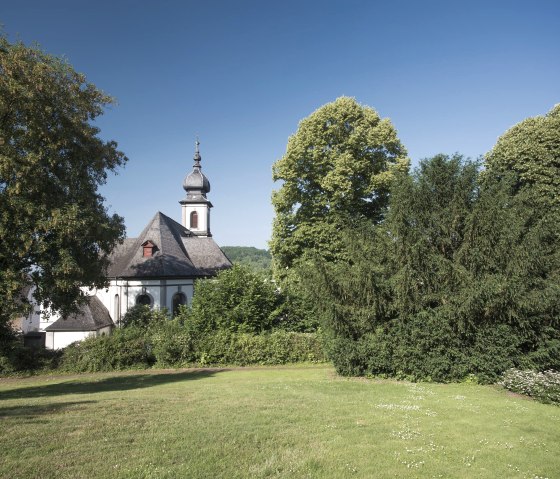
194 219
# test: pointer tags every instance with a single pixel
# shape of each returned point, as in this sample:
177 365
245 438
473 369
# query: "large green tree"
461 277
337 169
531 149
55 230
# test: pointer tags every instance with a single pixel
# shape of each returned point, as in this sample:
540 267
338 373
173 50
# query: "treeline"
254 258
455 274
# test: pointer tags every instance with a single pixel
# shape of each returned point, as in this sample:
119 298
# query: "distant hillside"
254 258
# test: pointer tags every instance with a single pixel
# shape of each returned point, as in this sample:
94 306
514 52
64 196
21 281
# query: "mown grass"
266 422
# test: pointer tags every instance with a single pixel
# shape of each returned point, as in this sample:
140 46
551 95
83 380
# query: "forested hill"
256 259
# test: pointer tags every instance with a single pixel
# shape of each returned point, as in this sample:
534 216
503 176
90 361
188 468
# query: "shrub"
17 358
543 386
143 316
277 347
237 300
125 348
173 345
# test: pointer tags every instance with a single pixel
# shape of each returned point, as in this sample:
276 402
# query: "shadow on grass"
113 383
39 410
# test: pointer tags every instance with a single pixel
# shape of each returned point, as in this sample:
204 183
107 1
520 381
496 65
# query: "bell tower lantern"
196 207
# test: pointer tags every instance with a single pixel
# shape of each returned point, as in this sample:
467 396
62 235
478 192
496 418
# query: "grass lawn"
266 422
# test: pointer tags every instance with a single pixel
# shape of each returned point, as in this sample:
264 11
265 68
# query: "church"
158 269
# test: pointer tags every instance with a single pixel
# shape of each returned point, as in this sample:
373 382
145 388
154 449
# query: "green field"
269 422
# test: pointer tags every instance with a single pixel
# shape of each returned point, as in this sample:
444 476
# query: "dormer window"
194 220
149 249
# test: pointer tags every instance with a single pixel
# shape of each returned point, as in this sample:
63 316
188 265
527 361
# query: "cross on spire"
197 156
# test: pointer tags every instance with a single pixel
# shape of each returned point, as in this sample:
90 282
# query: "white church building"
158 269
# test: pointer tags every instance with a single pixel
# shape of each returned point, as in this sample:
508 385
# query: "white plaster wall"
161 291
61 339
203 217
49 340
186 288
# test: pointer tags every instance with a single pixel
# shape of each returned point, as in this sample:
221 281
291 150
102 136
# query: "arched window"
178 300
144 299
117 315
194 219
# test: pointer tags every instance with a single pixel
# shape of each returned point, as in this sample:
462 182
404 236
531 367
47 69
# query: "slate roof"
92 316
179 254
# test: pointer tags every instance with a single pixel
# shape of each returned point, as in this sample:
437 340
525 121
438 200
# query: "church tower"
196 208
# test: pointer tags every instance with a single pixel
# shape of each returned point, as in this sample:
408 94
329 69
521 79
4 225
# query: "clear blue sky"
452 76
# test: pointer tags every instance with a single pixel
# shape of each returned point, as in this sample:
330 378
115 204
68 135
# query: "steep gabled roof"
92 316
179 253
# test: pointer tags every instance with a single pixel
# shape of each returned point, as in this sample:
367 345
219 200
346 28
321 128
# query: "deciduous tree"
531 149
55 230
337 168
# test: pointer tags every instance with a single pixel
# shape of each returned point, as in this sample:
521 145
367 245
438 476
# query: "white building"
157 269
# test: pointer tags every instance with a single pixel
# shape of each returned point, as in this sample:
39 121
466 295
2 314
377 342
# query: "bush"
173 345
278 347
543 386
124 349
17 359
143 316
237 300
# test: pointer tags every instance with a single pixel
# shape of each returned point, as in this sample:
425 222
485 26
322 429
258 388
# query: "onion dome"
196 184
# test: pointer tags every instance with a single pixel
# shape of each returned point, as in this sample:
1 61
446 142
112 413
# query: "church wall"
161 292
61 339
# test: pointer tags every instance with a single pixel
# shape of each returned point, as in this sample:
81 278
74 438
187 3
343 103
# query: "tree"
461 277
256 259
531 149
56 232
237 300
337 168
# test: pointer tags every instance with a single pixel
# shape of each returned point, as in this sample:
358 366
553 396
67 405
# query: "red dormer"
149 249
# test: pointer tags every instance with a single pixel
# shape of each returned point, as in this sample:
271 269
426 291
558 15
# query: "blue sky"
452 76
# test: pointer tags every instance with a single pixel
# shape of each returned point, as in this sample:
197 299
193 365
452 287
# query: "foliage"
255 259
125 348
543 386
150 338
296 311
16 359
276 347
143 316
171 344
56 232
237 300
531 149
338 167
461 278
